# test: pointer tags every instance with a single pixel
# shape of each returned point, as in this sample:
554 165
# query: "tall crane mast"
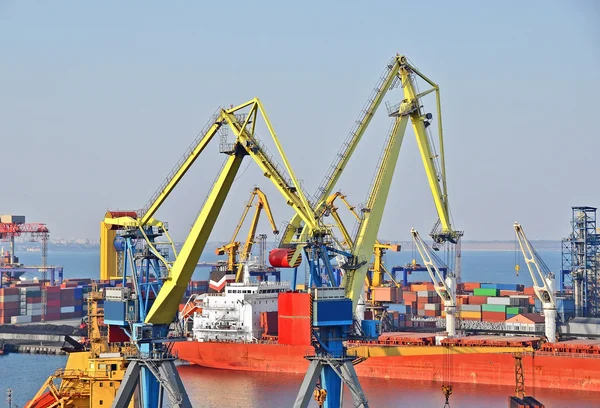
445 288
543 282
231 249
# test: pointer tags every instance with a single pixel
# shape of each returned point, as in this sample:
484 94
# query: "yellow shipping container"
466 315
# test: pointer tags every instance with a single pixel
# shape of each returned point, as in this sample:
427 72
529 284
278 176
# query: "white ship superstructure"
234 314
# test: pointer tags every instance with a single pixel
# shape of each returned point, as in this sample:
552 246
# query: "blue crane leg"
332 383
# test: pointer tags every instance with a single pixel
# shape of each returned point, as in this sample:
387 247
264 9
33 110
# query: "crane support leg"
128 386
166 305
349 377
308 385
327 368
164 373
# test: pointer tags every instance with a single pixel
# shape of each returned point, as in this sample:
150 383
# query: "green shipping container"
494 308
486 292
514 310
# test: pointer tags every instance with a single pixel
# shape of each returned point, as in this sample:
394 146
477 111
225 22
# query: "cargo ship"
265 327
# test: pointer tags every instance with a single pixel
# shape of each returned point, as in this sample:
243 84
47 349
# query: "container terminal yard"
228 283
342 318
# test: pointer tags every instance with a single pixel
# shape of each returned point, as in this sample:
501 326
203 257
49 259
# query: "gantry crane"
15 226
543 282
159 284
445 288
231 249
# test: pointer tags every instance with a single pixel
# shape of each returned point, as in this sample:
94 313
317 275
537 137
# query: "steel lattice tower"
580 262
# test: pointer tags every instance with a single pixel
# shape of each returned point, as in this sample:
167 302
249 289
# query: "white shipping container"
9 298
34 306
20 319
426 293
29 289
470 308
37 312
67 309
432 306
498 301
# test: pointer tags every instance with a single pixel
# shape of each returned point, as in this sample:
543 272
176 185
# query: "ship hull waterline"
542 370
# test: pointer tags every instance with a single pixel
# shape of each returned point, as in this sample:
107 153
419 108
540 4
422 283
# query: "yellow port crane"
231 249
246 144
154 323
443 230
410 108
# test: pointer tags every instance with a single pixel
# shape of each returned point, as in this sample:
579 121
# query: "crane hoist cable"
445 288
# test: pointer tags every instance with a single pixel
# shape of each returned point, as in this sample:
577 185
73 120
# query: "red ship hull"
544 370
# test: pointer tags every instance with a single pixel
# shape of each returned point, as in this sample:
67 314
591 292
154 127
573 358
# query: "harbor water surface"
24 374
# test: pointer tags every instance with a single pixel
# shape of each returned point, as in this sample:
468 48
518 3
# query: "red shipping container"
409 297
477 300
9 291
53 303
294 304
116 334
34 299
432 313
493 316
470 286
53 289
368 315
53 316
508 292
53 296
294 331
10 305
529 291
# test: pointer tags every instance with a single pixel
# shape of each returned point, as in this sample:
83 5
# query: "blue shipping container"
501 286
79 308
370 328
78 292
114 313
397 307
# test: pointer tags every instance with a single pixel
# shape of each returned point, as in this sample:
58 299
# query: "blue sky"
100 100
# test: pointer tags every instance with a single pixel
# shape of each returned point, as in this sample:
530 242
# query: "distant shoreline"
540 245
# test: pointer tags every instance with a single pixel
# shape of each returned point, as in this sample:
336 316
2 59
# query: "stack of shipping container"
492 302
